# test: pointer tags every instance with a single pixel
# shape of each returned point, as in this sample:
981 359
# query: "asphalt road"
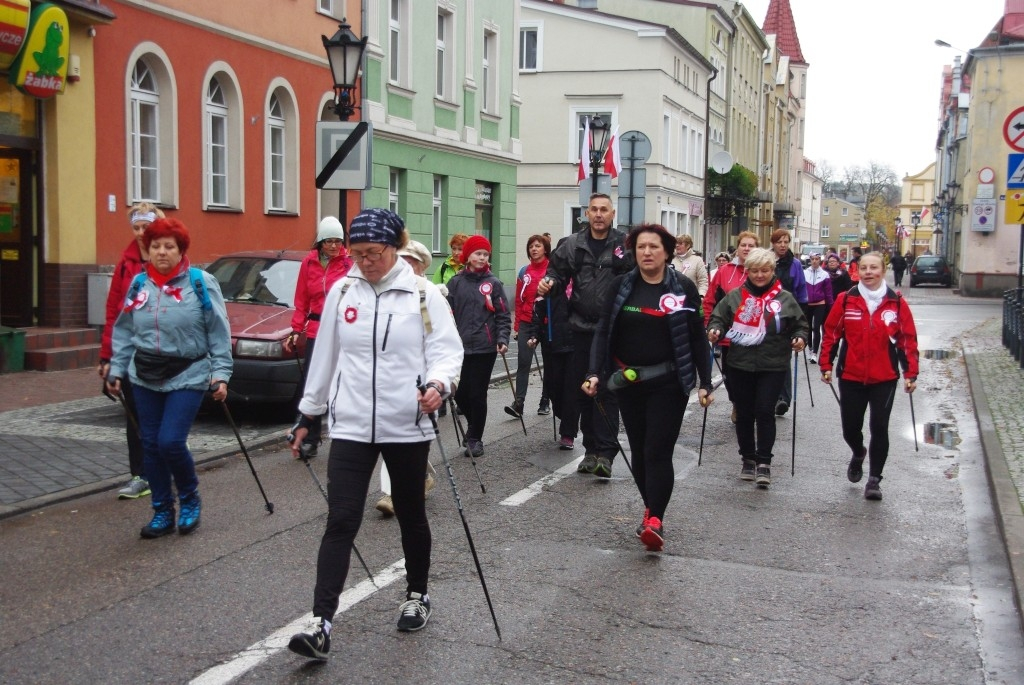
805 582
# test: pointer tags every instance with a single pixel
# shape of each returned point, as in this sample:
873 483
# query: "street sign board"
633 183
634 148
1015 170
849 237
1013 129
355 170
604 185
630 211
983 215
1014 207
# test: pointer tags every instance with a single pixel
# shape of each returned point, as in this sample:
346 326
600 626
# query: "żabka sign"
14 15
41 68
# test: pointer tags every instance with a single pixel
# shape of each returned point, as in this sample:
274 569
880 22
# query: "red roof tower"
778 21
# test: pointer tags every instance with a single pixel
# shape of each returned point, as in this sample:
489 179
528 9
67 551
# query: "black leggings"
471 395
349 468
854 400
562 387
652 415
816 318
755 394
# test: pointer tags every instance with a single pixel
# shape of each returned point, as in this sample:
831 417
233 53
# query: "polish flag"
612 157
584 170
924 213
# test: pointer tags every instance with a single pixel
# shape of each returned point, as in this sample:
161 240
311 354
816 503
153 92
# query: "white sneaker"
814 358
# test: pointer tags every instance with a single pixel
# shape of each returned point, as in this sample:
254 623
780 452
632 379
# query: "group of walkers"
628 324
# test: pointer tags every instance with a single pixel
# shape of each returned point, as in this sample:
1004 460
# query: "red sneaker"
652 535
643 524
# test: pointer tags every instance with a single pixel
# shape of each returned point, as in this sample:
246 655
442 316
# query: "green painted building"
440 89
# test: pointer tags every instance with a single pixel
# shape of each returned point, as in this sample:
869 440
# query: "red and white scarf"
748 328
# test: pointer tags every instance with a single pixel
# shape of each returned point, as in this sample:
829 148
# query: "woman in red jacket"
538 247
325 264
133 261
879 338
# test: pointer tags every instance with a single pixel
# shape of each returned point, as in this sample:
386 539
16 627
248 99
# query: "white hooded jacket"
371 348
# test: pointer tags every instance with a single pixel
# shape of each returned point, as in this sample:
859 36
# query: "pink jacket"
311 289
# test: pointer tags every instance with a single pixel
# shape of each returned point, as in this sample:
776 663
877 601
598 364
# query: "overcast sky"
875 74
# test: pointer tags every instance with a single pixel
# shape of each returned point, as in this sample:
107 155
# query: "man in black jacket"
899 266
590 260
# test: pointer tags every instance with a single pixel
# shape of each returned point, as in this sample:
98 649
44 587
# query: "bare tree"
872 182
827 173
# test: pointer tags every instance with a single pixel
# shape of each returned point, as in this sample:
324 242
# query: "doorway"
17 253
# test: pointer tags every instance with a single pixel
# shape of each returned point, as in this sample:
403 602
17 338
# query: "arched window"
144 151
223 154
217 145
281 159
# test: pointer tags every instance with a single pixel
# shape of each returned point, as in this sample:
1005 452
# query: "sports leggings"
349 468
854 400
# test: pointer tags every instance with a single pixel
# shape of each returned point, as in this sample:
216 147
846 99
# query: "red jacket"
875 345
727 278
526 291
311 289
127 268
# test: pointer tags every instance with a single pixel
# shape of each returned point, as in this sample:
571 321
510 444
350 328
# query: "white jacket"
369 352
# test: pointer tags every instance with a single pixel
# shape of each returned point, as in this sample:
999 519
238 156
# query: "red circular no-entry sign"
1013 129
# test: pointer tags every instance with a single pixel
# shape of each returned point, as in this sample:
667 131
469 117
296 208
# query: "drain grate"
938 354
936 433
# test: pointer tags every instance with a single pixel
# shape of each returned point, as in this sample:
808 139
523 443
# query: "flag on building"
612 157
924 213
584 171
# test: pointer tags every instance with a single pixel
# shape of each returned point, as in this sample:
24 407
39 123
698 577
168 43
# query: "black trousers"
135 451
600 434
349 468
755 394
854 400
652 414
562 387
816 318
313 437
471 395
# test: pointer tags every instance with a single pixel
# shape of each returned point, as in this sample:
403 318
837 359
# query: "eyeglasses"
332 241
369 255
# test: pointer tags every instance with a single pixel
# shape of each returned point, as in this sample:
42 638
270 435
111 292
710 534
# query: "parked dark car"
259 292
930 269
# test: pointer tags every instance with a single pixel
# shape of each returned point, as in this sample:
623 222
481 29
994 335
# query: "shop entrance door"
17 251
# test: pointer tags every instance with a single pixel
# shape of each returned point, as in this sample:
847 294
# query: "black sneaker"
474 448
855 471
873 490
603 467
781 408
515 409
544 409
162 523
763 475
747 472
588 464
415 613
313 644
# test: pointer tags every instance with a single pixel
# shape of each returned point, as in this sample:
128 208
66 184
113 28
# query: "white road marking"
535 488
257 653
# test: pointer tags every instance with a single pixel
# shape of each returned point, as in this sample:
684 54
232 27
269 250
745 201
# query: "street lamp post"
915 220
599 130
345 56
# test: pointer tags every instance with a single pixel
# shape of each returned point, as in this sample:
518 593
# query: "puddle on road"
937 433
939 354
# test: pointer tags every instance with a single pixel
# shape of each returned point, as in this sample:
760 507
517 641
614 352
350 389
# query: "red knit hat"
474 243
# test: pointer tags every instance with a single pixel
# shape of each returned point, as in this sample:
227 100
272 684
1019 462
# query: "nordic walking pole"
835 394
611 429
792 456
462 514
512 387
913 421
231 420
127 411
554 429
460 436
703 426
304 456
807 371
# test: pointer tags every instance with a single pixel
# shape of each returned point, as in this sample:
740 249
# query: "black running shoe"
873 490
313 644
544 409
763 475
603 467
855 471
415 613
515 409
588 464
747 472
781 408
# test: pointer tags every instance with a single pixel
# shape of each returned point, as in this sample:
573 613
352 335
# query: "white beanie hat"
329 227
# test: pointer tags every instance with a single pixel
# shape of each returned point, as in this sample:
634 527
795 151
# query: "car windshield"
256 279
928 261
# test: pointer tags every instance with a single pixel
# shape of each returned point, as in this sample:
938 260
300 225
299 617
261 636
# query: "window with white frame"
845 211
581 123
216 145
445 55
684 148
666 139
437 217
325 7
489 73
698 153
825 210
145 134
824 232
397 41
529 47
394 178
278 156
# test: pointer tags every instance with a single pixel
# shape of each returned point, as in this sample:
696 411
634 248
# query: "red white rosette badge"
351 314
670 303
485 289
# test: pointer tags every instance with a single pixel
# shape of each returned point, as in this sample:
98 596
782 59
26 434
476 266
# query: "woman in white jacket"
377 339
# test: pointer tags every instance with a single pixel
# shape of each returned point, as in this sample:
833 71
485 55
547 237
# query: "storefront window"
17 112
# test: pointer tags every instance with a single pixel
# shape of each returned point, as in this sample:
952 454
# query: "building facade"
843 225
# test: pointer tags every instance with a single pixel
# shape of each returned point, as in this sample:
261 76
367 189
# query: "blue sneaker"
162 523
190 508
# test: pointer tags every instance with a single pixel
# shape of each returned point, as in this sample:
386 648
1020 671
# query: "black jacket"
550 324
591 275
686 327
481 329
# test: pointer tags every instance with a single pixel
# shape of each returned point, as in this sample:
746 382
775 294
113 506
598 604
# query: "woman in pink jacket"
326 263
538 248
133 261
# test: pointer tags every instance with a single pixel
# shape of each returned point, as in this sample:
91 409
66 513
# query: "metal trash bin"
12 349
